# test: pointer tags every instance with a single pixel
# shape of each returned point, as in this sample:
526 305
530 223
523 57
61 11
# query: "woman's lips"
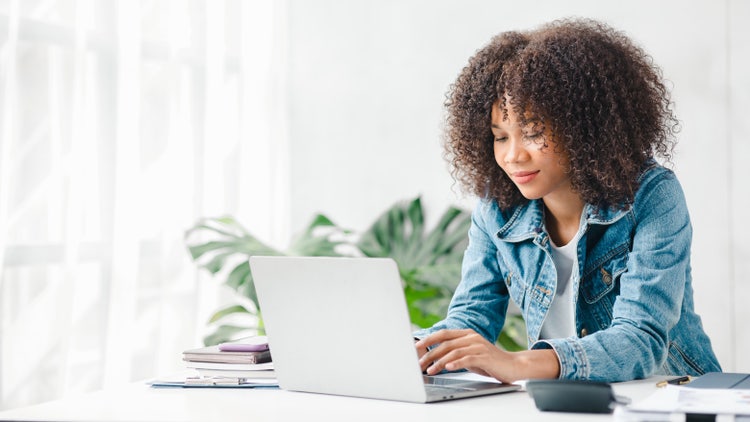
522 177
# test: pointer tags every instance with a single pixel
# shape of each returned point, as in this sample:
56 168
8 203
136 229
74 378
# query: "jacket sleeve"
648 306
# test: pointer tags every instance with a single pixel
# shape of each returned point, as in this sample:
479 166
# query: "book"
233 370
247 344
215 354
247 358
252 367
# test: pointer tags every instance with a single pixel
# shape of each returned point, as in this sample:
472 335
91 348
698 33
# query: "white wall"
367 82
738 124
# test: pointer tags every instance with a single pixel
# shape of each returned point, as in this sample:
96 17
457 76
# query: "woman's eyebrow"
506 127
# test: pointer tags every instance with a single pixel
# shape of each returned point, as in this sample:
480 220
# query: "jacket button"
606 277
584 332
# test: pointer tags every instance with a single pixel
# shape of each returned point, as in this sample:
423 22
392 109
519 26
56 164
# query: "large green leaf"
321 238
231 310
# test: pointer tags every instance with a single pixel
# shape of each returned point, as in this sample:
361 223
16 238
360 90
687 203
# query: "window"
122 122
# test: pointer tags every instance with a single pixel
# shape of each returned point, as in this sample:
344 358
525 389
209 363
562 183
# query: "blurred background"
124 122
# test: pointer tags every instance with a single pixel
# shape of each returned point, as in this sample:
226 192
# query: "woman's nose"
515 151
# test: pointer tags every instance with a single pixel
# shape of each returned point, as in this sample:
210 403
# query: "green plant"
429 262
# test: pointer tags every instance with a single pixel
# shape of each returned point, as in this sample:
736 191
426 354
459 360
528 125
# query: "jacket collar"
527 220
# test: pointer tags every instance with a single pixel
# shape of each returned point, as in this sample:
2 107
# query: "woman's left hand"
466 349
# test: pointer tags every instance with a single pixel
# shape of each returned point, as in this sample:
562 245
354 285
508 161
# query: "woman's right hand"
421 351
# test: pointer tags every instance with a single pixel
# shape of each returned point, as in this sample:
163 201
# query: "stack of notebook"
246 360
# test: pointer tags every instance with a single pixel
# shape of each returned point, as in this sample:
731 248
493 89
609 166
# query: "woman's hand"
421 351
466 349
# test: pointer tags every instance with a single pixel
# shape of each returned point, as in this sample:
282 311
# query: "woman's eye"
533 135
501 139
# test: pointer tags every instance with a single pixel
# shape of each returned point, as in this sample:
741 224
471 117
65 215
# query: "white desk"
139 402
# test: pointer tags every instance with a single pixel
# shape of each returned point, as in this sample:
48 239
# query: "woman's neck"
562 218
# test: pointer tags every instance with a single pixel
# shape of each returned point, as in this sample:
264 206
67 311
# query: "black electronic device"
573 396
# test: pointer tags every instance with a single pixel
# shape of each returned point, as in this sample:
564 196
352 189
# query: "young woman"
557 131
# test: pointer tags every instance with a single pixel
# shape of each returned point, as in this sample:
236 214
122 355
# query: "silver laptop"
340 326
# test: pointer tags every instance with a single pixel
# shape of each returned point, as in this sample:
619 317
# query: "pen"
676 381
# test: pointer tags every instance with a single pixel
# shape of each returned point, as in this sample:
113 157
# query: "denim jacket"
634 308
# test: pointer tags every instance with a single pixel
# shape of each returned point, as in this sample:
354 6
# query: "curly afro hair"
601 97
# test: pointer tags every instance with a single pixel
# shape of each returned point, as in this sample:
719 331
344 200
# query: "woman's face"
537 170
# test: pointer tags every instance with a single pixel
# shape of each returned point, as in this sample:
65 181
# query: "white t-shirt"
560 320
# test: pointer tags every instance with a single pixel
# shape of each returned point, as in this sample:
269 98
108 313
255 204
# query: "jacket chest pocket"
600 287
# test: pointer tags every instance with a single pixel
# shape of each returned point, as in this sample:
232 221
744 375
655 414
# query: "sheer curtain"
122 122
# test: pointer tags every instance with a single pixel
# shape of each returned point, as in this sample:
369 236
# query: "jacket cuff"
570 355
